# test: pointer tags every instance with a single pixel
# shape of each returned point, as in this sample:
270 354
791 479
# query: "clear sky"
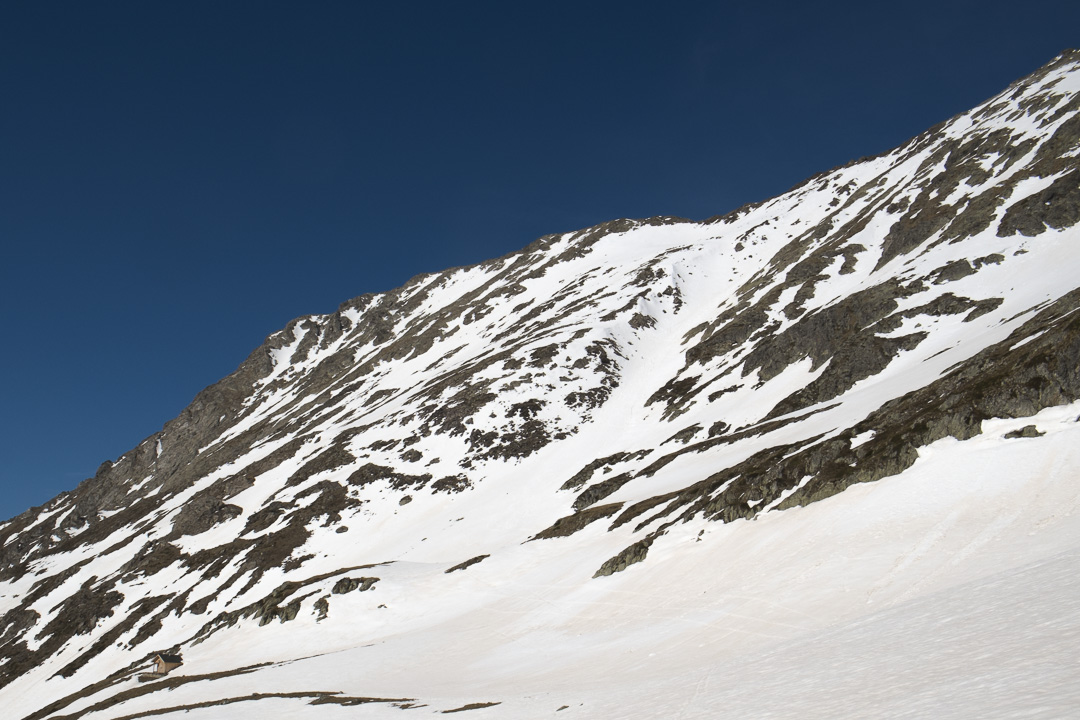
180 179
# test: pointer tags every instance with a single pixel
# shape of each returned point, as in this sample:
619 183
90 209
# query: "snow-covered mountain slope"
815 457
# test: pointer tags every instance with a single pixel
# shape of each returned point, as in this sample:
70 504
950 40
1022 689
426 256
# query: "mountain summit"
815 457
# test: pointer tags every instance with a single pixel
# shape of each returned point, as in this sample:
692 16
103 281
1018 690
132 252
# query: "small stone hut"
164 663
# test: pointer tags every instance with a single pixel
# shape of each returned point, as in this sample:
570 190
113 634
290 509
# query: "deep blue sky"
180 179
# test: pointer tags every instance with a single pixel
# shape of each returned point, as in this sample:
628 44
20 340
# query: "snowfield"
948 591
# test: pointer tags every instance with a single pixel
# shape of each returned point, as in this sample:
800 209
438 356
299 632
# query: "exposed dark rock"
953 271
526 410
521 441
202 512
928 213
78 614
330 459
642 507
685 435
154 557
264 518
673 391
993 259
347 585
998 382
468 563
332 498
1057 207
543 356
977 215
136 613
718 428
714 396
982 307
582 476
1028 431
472 706
451 484
633 554
81 612
322 609
570 524
599 491
274 606
371 473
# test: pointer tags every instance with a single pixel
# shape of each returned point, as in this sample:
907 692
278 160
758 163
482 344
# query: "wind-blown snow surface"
816 458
